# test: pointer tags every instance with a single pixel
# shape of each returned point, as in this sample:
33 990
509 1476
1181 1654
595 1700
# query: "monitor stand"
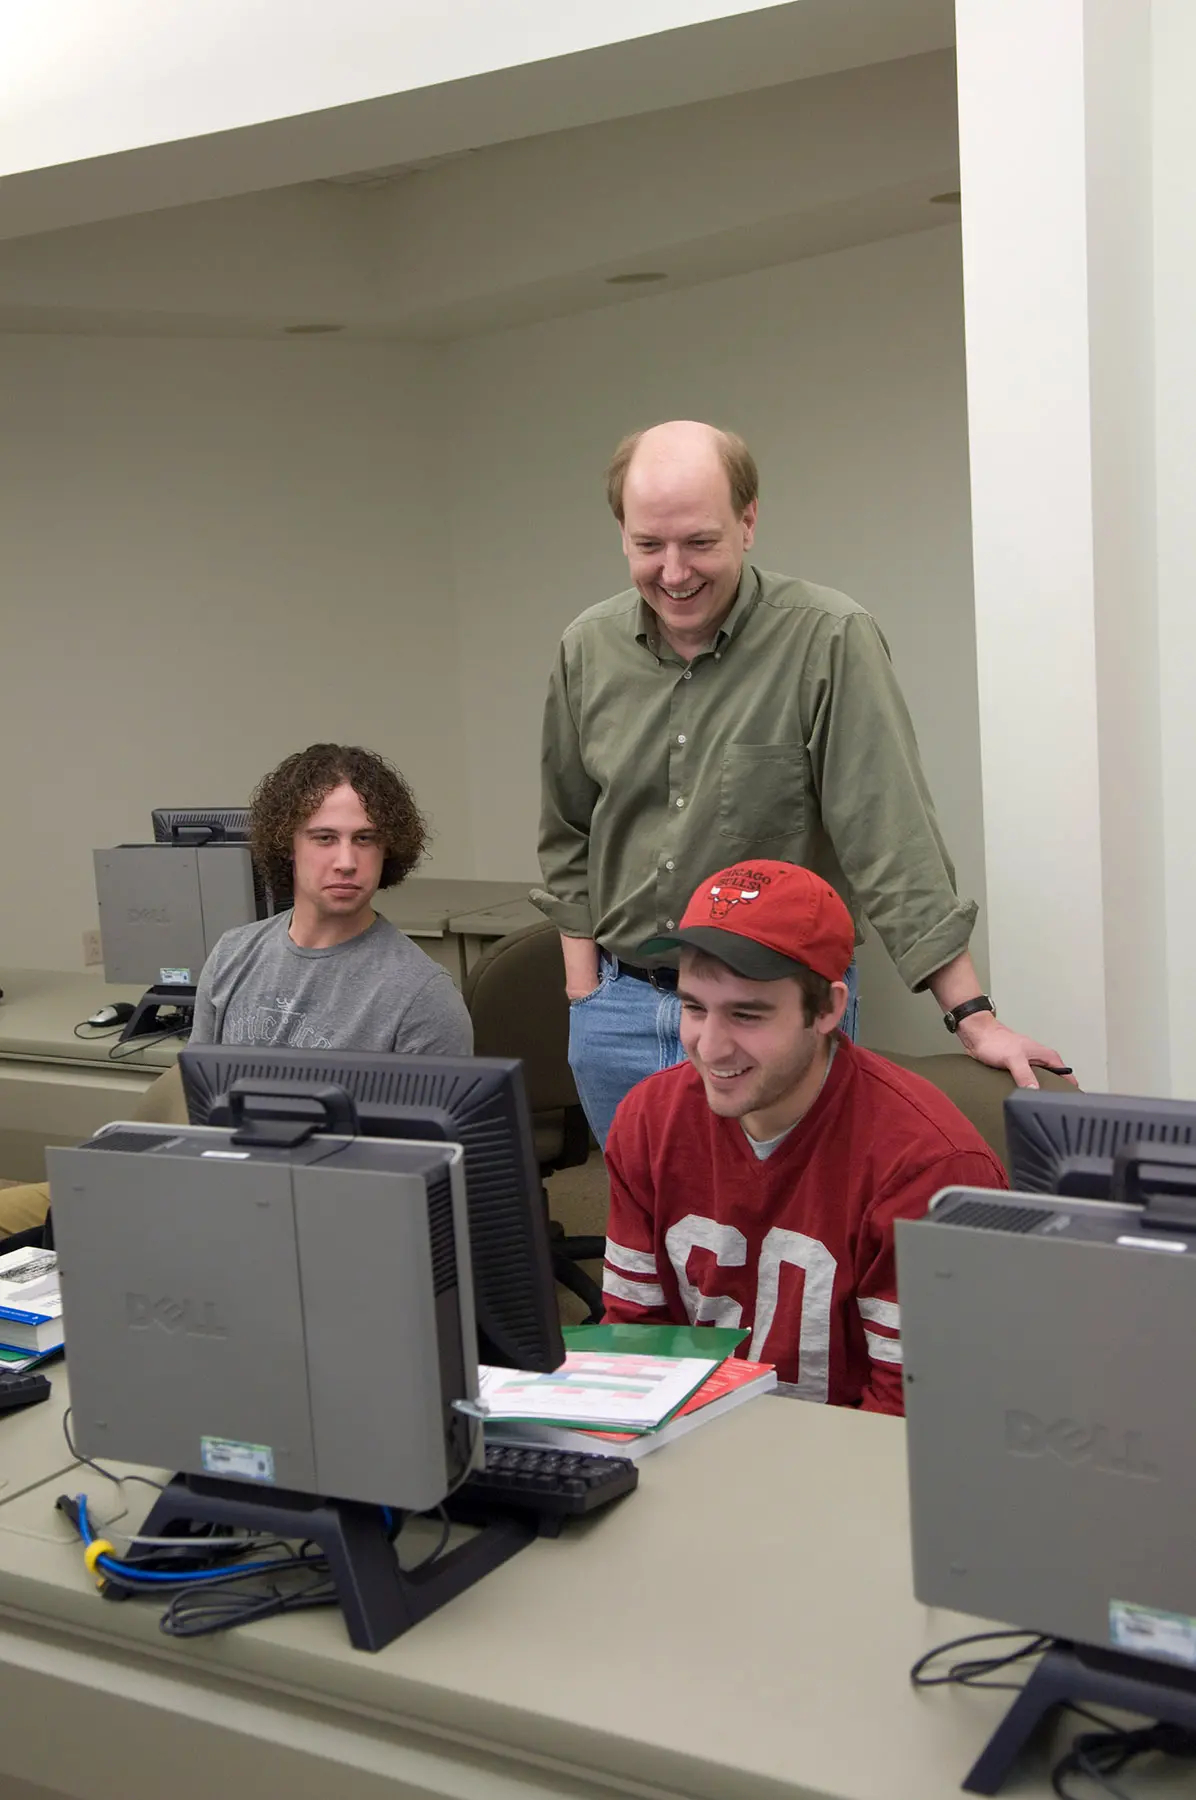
379 1600
146 1019
1136 1684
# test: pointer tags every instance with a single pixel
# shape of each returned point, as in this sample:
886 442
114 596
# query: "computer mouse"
116 1014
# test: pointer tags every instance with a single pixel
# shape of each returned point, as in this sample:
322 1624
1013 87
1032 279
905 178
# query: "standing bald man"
711 715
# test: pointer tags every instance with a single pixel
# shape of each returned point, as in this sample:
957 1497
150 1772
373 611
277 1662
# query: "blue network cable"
101 1559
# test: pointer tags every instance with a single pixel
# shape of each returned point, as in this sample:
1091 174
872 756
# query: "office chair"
515 993
978 1091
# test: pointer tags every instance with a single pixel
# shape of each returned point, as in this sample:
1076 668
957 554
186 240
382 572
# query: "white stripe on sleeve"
883 1349
632 1262
640 1293
881 1312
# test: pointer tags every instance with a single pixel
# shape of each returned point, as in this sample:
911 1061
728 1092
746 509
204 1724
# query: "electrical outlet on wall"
92 951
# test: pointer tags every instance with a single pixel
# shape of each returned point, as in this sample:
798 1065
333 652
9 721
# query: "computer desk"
480 928
740 1628
450 919
55 1087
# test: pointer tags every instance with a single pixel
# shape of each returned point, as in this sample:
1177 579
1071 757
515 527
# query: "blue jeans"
627 1030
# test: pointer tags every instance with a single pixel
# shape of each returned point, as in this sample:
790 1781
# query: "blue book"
30 1302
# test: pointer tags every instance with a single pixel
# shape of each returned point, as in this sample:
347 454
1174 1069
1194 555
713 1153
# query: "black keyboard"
554 1484
22 1389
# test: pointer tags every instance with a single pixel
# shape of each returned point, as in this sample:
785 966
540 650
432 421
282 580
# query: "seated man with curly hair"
335 823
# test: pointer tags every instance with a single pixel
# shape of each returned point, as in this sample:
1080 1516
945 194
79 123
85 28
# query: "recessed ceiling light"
951 199
311 330
634 277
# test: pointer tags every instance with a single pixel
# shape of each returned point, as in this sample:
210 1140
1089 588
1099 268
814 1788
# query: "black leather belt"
664 977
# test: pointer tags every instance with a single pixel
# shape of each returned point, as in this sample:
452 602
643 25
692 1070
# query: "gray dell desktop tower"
1049 1358
163 907
294 1316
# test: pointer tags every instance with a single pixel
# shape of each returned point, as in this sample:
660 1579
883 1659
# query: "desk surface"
740 1628
41 1008
32 1446
428 904
496 921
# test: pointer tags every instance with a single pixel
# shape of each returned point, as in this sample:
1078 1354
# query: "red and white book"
729 1386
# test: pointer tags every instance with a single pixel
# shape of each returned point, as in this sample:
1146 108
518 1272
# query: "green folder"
714 1341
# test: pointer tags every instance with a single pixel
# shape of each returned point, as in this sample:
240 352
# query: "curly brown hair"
301 783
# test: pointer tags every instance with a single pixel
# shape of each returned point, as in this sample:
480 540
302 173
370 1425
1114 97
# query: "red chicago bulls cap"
764 918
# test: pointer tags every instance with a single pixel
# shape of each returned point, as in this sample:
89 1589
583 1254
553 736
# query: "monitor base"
1136 1684
146 1019
379 1600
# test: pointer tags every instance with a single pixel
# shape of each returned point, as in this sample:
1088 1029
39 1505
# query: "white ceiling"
465 241
104 115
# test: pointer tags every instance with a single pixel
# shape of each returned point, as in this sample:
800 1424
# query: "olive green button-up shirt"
787 737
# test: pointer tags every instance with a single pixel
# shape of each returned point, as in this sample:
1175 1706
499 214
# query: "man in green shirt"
711 714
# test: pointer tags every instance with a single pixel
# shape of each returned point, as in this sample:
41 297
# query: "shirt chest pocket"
762 796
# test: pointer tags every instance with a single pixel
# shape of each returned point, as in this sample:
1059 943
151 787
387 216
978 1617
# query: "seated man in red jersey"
757 1183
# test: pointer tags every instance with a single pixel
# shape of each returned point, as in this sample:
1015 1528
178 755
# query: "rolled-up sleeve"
875 804
567 800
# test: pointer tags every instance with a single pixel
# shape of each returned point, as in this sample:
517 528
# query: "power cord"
1099 1755
193 1614
970 1672
99 1469
94 1034
134 1046
1096 1755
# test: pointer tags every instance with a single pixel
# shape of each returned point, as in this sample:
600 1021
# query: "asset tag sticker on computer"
225 1456
1151 1632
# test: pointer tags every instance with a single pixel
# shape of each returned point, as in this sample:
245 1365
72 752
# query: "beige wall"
1174 230
845 373
213 553
216 552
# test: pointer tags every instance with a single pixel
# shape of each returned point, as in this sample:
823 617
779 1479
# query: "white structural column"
1174 26
1055 153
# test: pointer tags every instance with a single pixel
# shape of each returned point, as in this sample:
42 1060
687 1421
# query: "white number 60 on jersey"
729 1249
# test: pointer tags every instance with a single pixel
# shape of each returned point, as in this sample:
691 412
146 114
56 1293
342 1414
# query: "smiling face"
338 857
683 540
759 1060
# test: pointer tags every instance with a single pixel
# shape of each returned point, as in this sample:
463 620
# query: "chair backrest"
516 997
978 1091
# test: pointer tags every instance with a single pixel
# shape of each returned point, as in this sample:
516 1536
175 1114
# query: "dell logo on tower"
194 1318
1094 1446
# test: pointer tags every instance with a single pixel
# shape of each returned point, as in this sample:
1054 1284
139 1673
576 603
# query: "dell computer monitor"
1066 1143
201 824
477 1102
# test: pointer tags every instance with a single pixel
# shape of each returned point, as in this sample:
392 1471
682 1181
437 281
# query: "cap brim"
744 956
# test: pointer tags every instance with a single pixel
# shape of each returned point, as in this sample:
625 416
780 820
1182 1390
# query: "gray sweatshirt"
377 991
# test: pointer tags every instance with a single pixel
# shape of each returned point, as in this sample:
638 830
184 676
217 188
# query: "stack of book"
616 1392
30 1307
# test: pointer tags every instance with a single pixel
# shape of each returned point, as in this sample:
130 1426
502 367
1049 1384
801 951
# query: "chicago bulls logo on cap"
723 899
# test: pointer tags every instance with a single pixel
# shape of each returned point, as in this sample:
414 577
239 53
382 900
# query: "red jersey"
799 1246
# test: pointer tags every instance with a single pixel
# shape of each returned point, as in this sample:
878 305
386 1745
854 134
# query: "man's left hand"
986 1039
